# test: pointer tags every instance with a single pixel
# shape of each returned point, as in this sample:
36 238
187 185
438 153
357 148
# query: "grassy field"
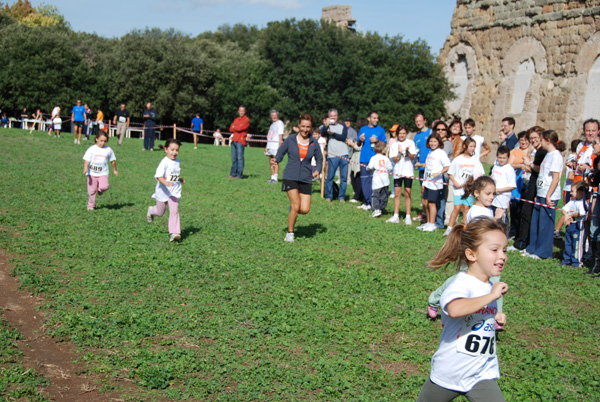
232 313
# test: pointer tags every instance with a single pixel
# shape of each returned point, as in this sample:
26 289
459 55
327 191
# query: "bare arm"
86 166
465 306
555 181
114 165
487 149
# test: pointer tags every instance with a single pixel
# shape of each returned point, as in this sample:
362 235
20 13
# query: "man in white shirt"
274 141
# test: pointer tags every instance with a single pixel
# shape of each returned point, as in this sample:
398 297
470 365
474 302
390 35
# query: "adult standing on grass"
24 116
298 173
369 135
197 128
423 133
79 119
274 141
337 154
239 134
150 117
121 119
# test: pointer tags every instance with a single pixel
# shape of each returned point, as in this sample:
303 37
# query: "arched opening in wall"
591 104
523 78
461 82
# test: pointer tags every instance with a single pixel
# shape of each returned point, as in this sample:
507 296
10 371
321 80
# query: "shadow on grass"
185 233
116 206
310 230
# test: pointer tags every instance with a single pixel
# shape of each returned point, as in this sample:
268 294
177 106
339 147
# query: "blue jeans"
541 229
149 133
334 163
574 243
441 205
366 181
237 160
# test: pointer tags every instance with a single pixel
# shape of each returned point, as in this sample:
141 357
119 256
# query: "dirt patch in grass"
52 359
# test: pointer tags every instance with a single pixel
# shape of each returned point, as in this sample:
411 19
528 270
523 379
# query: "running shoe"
432 311
175 237
408 220
289 237
394 219
149 216
376 213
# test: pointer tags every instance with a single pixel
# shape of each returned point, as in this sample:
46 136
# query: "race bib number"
477 338
174 178
465 175
428 175
540 183
94 167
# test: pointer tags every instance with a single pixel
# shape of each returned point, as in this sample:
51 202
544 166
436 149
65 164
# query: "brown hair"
466 144
463 237
476 185
552 137
306 116
379 147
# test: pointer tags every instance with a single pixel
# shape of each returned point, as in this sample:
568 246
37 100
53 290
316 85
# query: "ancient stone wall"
535 60
340 15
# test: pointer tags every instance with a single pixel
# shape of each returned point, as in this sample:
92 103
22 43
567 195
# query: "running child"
466 362
505 178
402 152
463 168
381 167
436 165
168 189
575 212
95 167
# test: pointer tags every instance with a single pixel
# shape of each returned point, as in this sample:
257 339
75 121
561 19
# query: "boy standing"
479 140
381 167
575 212
504 176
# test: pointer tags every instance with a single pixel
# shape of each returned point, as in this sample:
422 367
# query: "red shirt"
239 128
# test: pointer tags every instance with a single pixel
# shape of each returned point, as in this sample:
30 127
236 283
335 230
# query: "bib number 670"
478 344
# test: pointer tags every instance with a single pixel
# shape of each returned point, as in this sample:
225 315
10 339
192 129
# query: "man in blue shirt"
197 128
368 136
78 118
422 151
508 128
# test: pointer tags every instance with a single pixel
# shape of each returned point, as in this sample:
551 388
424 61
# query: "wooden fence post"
175 131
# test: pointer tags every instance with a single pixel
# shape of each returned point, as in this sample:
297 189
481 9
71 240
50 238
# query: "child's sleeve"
161 170
394 148
568 208
512 177
111 156
88 155
452 169
412 149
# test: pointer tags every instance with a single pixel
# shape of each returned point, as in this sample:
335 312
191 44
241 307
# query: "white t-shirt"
553 162
584 156
98 159
503 176
462 168
466 354
568 182
436 161
57 123
404 167
479 140
476 211
170 171
575 207
55 112
381 167
273 136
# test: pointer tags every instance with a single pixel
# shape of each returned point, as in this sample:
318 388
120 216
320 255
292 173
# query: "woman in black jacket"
298 174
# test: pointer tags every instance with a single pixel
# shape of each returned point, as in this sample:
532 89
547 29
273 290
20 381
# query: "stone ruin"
340 15
535 60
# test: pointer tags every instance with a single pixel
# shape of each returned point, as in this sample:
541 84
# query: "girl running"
95 166
463 168
465 362
168 189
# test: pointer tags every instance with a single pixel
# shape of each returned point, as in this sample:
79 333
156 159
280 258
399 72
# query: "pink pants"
96 184
159 210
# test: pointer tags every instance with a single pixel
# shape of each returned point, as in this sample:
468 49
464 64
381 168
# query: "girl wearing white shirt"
168 189
548 193
436 165
465 362
95 166
402 153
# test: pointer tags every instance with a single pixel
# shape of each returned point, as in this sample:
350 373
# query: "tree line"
293 66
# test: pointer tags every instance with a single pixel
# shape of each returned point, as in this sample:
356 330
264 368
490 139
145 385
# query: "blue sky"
425 19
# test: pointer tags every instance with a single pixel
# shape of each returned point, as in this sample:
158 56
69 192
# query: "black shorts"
303 188
407 182
432 195
78 123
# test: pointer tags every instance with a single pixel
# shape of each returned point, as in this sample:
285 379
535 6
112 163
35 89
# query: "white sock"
396 215
274 177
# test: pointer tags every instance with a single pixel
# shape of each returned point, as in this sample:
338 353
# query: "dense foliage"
232 313
294 66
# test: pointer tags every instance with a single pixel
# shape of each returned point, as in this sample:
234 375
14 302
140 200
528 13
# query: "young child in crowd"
504 176
402 153
465 362
393 138
479 140
381 167
436 165
322 141
95 166
569 178
168 189
463 168
575 212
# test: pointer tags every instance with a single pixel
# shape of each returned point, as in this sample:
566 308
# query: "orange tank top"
303 150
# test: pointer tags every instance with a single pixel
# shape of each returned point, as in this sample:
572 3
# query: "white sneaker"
448 230
174 237
365 207
430 227
289 237
422 226
361 206
352 200
78 142
512 248
368 208
149 216
394 219
408 220
376 213
392 195
75 141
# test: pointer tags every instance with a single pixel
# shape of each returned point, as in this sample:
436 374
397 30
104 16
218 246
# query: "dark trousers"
379 199
366 181
237 160
149 133
356 186
522 238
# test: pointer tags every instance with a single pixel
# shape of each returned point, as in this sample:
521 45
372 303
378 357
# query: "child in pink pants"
95 166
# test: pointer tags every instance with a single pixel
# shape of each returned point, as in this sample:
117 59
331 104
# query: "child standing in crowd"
95 166
381 167
504 176
575 212
402 153
168 189
465 362
463 168
436 165
569 178
548 194
391 141
479 140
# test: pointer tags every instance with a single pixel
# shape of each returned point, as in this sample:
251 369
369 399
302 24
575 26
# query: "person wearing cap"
274 141
337 154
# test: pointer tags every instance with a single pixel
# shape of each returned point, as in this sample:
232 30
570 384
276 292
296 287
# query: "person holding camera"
337 154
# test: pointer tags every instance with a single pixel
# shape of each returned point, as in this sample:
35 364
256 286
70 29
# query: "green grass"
233 313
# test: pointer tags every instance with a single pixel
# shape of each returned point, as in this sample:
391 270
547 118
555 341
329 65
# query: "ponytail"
552 137
476 185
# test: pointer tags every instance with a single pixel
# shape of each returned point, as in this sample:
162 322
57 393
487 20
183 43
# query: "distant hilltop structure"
340 15
535 60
